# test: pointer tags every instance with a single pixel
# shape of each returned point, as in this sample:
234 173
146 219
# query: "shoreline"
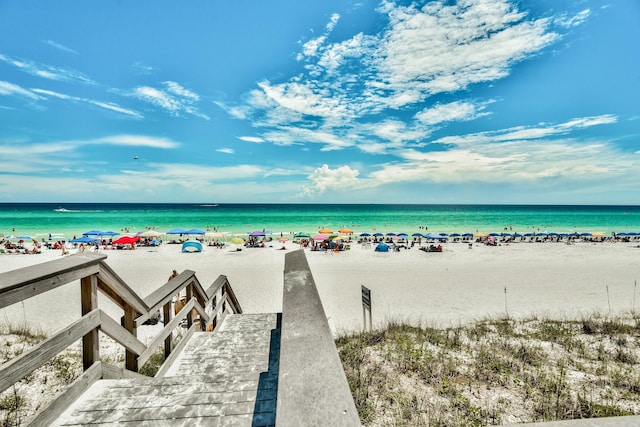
453 287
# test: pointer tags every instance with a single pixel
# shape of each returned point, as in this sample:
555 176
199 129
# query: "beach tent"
302 235
325 231
382 247
256 234
150 233
93 233
192 246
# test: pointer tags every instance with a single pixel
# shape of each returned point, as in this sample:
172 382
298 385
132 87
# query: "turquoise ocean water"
40 219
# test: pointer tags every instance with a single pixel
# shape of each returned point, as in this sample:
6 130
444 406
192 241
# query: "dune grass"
494 371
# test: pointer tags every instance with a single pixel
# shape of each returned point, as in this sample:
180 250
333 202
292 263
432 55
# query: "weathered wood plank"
168 329
166 292
36 273
89 302
46 416
110 372
131 362
16 291
216 286
120 334
169 361
235 304
310 369
16 369
110 279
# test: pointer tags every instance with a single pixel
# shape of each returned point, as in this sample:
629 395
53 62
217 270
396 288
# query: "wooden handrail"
96 275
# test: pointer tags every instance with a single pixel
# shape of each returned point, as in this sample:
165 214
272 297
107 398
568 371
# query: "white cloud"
441 47
530 132
574 21
324 179
454 111
59 46
106 105
226 150
48 72
11 89
254 139
175 99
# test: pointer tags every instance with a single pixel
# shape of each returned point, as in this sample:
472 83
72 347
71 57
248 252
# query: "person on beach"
173 274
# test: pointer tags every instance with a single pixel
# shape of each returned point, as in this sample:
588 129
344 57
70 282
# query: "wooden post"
89 302
166 318
214 304
131 362
189 296
366 305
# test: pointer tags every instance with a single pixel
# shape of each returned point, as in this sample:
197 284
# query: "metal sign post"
366 305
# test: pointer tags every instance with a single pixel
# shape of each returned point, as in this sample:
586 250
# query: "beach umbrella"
454 235
302 234
390 234
403 235
481 235
325 231
256 234
365 235
378 234
126 240
345 230
417 235
237 241
585 234
92 233
320 237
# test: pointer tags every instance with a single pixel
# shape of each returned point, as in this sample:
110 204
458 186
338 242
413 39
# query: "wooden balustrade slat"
168 329
118 287
120 334
18 368
12 294
47 270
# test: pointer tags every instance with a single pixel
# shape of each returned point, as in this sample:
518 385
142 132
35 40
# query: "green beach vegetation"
495 371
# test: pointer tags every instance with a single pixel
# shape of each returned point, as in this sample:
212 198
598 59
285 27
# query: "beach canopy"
302 234
195 231
150 233
320 237
325 231
93 233
84 239
126 240
178 231
345 230
256 233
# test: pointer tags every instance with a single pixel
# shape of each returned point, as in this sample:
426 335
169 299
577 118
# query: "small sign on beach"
366 305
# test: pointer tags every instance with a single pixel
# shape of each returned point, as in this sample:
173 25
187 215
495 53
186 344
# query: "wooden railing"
204 310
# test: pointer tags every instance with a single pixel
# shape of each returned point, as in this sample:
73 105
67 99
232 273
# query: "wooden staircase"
225 378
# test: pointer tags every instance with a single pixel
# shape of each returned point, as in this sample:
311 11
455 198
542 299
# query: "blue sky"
471 101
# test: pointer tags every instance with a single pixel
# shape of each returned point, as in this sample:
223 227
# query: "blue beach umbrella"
454 235
365 235
378 234
93 233
390 234
417 235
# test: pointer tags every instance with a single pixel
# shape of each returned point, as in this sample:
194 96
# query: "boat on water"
192 246
62 210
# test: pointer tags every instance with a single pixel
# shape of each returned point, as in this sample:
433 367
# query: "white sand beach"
455 286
